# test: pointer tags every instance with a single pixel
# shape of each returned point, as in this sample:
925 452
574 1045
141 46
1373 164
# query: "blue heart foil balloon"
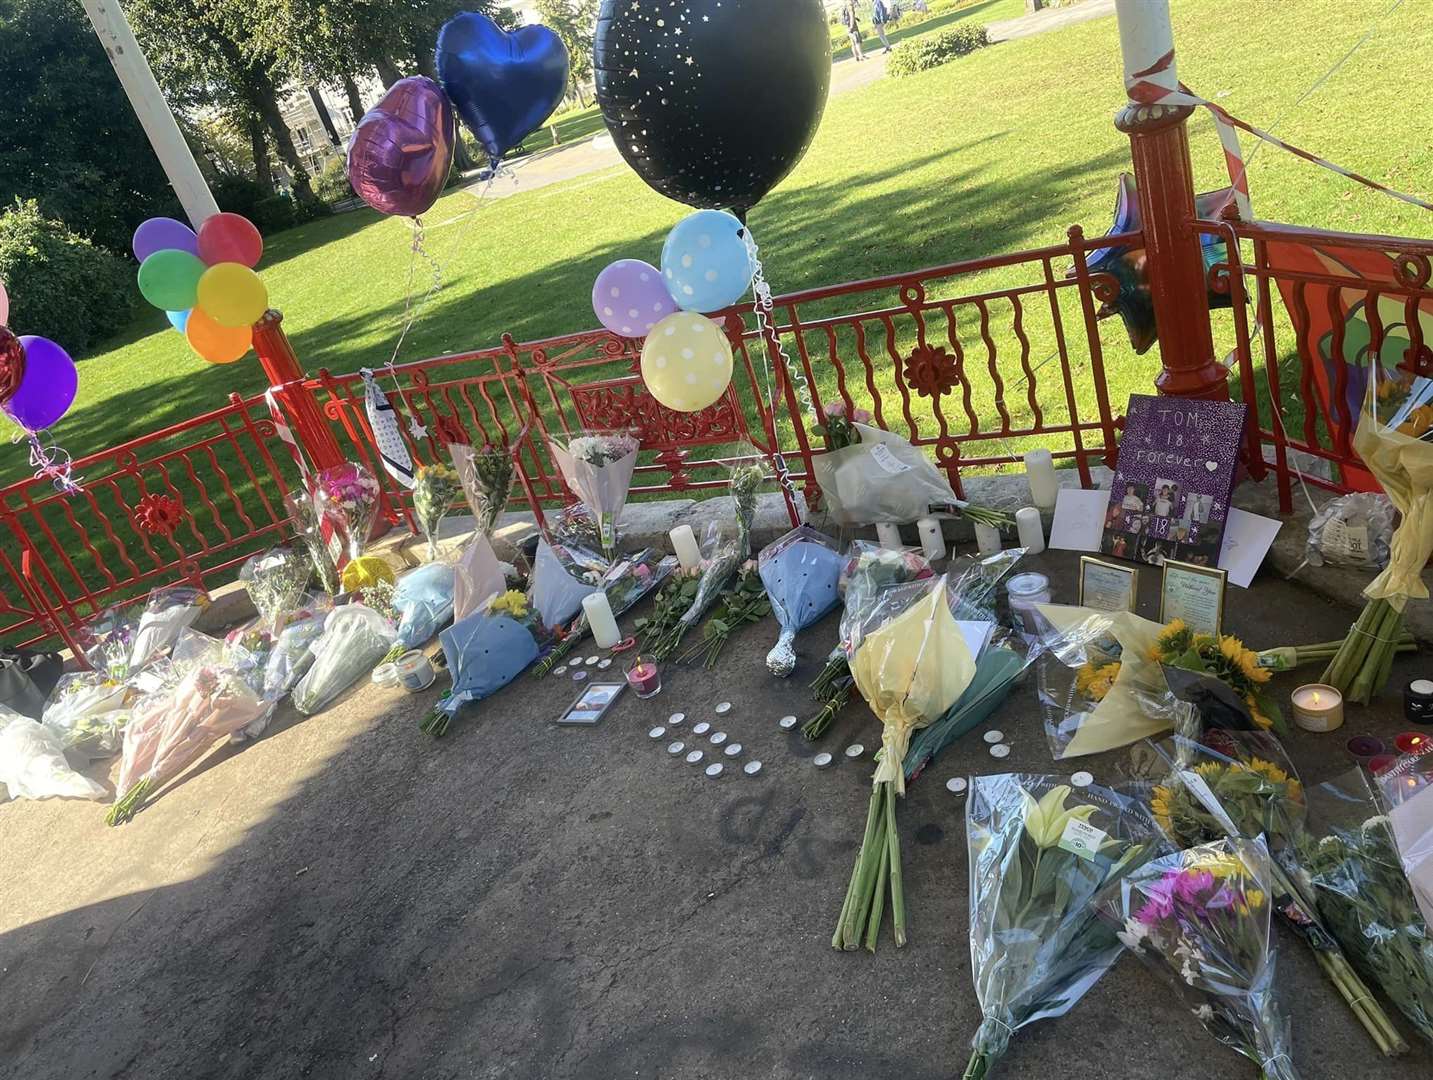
503 85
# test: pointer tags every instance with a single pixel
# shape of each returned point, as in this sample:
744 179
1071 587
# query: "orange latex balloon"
215 342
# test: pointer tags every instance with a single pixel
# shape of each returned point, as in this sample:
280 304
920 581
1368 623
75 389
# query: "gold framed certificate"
1194 594
1106 586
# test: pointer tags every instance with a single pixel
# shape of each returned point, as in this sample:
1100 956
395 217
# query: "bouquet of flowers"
573 525
33 765
423 601
487 475
172 728
744 601
87 712
167 614
1402 462
345 498
1039 853
355 639
1099 686
1407 791
485 652
996 672
291 653
836 425
801 572
276 581
1348 860
748 473
562 577
673 599
910 668
310 530
1201 918
715 574
598 467
874 476
625 583
869 569
1225 659
434 489
1247 788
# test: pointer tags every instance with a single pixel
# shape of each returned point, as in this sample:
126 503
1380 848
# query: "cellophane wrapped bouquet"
126 638
721 563
277 582
309 528
174 726
487 475
743 601
1407 790
291 651
1225 659
1241 784
1348 860
869 569
1201 918
598 466
801 573
423 601
910 668
87 712
1039 853
346 500
625 583
33 765
434 489
355 639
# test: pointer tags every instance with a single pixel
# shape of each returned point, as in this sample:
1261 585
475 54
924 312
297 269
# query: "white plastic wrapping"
561 578
33 766
881 479
598 467
477 578
87 712
355 638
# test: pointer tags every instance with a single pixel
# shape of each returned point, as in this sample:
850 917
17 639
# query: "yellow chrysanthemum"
1255 898
511 602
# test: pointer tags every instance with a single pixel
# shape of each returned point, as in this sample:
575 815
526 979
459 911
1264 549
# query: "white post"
151 108
1145 38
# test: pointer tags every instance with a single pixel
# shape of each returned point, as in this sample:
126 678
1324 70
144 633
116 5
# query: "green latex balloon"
169 279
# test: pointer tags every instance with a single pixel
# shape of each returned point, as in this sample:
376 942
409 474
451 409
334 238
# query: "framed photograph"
592 704
1105 586
1195 594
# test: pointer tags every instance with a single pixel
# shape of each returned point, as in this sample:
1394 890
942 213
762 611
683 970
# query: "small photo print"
597 696
1197 507
1135 500
1165 498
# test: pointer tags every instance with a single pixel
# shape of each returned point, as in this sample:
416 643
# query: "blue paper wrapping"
424 601
485 653
801 572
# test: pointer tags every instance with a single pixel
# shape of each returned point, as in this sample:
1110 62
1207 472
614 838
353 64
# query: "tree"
71 140
575 22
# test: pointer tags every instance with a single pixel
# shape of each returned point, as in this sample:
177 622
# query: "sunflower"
1161 805
1255 711
1250 668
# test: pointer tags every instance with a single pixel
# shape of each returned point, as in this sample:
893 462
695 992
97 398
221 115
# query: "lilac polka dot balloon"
629 298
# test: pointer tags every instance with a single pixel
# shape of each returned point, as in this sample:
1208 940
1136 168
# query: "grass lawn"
995 152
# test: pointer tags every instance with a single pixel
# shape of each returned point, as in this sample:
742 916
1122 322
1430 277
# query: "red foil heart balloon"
12 364
402 151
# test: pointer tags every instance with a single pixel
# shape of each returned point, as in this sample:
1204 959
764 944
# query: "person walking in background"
879 15
852 22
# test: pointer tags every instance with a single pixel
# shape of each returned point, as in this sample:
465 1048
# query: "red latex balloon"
12 364
230 238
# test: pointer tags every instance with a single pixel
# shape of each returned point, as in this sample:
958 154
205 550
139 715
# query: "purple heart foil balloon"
402 151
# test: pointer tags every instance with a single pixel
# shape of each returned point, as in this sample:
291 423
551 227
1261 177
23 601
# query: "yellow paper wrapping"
1404 466
1121 718
910 670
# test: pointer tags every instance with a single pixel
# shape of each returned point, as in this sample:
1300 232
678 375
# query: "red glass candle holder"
644 677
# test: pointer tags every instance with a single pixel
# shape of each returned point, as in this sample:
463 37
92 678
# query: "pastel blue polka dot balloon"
705 263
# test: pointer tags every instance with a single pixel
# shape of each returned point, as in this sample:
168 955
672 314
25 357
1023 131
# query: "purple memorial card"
1170 496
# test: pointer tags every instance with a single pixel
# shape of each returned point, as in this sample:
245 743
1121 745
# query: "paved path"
596 153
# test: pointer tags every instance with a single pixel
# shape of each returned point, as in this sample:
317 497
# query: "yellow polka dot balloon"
686 362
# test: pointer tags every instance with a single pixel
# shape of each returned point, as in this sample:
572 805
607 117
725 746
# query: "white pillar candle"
684 543
888 535
1031 530
932 538
600 620
987 538
1040 472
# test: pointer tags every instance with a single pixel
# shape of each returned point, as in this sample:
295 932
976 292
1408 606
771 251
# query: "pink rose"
835 410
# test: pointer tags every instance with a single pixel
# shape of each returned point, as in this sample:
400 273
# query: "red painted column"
1159 146
305 416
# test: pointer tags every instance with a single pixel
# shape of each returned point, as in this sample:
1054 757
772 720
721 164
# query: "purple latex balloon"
402 151
629 298
162 233
48 388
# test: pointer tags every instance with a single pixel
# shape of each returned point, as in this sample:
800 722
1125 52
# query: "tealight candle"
1412 742
1418 701
644 678
1044 484
1364 748
599 617
932 539
1318 707
684 543
1031 529
888 535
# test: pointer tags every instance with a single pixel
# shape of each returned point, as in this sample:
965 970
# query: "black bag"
27 678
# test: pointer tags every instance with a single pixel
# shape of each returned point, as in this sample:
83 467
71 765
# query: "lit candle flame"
1316 699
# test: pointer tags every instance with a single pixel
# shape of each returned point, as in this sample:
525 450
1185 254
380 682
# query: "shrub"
332 184
62 286
238 194
273 214
932 50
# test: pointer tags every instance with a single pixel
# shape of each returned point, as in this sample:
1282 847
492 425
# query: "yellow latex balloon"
215 343
232 294
686 362
364 571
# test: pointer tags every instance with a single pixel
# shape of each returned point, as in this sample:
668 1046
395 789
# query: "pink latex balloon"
4 306
402 151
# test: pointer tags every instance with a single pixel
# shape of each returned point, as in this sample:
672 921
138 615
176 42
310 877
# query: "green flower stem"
575 633
126 807
898 892
852 913
873 926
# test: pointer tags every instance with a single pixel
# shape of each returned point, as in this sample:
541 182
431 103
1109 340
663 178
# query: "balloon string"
52 463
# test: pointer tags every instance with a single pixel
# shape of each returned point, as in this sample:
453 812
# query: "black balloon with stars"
713 102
